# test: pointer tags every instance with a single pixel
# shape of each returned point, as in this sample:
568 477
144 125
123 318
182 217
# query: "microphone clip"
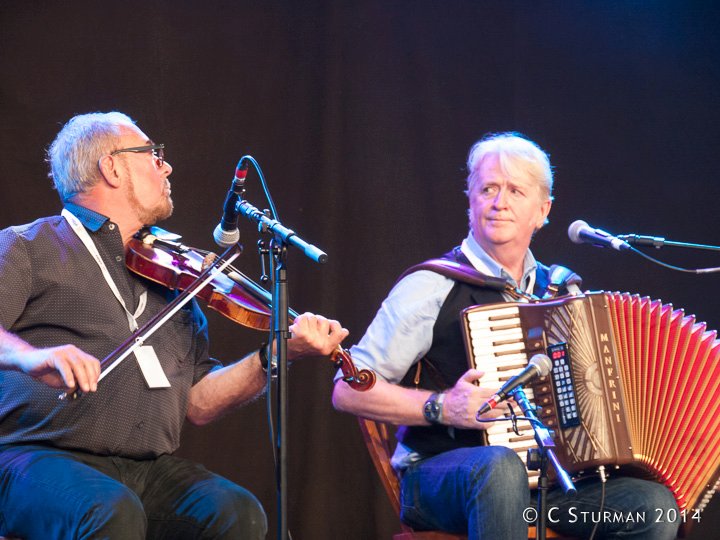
639 240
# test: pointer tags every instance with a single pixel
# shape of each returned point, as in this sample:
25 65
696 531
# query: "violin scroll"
360 380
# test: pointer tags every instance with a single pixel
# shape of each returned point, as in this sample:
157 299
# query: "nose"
500 200
167 165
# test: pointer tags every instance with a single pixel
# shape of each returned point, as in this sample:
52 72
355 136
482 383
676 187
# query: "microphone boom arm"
658 242
287 236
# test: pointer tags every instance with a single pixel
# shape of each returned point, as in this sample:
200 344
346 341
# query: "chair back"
379 440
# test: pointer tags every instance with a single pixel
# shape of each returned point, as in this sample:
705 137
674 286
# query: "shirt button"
118 258
111 226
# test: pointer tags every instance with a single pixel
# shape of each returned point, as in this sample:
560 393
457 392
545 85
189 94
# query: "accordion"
635 384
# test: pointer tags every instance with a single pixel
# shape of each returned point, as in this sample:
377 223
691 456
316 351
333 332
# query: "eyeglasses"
158 152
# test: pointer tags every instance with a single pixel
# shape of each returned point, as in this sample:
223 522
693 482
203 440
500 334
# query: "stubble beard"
149 215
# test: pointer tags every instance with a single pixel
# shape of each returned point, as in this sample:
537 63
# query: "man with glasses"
101 465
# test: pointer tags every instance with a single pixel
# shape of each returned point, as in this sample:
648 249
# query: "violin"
157 255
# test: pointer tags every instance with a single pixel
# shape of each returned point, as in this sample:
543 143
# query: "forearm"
399 405
12 349
225 389
64 366
384 402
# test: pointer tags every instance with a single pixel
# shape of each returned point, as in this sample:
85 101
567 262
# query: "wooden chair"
380 444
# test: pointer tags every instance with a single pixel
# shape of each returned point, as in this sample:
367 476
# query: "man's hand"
314 335
463 400
65 367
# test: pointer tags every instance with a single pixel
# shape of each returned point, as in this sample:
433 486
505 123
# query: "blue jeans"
483 492
51 493
633 508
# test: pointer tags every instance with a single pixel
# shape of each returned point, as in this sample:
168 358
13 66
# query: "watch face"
431 409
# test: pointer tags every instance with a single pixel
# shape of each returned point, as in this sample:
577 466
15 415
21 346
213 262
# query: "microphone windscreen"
574 230
543 364
224 238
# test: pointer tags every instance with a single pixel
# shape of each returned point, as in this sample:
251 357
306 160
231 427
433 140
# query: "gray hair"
74 154
516 156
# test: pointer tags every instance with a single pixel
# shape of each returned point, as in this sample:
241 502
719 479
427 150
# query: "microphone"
540 365
227 234
580 232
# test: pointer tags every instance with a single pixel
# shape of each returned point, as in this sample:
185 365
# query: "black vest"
446 361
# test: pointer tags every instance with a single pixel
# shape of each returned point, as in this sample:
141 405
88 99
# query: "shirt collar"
482 262
89 218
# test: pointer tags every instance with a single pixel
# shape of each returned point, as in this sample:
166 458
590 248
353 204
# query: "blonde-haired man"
449 480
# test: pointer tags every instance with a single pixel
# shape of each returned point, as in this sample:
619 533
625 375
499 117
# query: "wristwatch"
262 353
433 408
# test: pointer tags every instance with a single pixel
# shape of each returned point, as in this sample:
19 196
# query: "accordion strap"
560 277
467 274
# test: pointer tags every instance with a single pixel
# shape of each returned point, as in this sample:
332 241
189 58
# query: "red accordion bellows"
645 383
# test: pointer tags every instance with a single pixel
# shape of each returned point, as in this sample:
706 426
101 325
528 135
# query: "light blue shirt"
402 332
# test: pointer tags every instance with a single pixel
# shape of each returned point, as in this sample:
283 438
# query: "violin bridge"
208 260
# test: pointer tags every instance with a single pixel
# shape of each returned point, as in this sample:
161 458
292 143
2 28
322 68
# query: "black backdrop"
361 114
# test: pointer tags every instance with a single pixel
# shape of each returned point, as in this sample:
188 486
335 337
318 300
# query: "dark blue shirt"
52 292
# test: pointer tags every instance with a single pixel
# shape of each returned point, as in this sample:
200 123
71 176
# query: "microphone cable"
673 267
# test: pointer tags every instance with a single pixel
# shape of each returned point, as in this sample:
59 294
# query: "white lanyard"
90 245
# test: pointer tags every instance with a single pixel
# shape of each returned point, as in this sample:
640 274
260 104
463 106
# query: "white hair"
517 156
74 154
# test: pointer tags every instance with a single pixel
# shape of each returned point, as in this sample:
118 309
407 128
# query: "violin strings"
154 319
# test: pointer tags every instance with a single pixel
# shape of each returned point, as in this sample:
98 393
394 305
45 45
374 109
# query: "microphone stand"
279 318
539 458
281 238
658 242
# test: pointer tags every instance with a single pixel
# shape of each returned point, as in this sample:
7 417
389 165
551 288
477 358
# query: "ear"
544 211
108 166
